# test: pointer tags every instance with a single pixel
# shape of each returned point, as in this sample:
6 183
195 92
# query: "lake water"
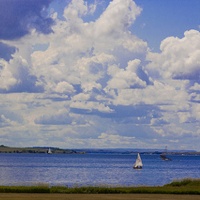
94 169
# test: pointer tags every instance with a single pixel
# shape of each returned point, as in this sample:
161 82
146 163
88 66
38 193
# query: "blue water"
94 169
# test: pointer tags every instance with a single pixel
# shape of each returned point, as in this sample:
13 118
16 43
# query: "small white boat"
49 151
138 163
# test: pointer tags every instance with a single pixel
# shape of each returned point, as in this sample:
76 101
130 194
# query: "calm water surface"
94 169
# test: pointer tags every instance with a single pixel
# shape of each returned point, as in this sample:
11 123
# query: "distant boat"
49 151
138 163
164 157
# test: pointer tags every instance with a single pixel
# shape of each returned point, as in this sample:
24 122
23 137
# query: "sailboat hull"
163 157
138 167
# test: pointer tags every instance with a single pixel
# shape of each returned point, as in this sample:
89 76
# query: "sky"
100 74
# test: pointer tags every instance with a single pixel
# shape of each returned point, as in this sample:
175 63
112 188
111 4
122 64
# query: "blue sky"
100 74
161 19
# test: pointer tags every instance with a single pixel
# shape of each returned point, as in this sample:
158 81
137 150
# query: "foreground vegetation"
186 186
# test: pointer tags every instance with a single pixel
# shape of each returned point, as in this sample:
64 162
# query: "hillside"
5 149
55 150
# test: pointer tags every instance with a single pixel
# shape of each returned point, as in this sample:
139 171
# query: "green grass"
185 186
24 189
185 182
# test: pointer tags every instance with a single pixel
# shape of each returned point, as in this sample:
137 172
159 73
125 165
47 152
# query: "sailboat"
164 157
138 163
49 151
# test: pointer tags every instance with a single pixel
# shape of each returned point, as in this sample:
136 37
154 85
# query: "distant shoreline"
6 149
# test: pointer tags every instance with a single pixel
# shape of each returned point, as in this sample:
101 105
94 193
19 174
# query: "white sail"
138 163
49 151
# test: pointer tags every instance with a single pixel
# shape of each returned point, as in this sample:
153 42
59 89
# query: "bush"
185 182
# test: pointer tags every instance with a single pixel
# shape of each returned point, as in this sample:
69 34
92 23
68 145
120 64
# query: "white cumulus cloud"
179 57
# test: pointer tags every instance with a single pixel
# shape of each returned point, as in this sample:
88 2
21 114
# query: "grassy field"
14 196
186 186
187 189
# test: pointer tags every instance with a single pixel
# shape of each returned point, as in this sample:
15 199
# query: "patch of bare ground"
12 196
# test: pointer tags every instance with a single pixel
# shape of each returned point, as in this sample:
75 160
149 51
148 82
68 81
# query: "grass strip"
25 189
186 186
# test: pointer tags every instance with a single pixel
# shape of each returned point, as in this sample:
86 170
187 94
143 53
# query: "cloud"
16 76
158 93
93 71
64 88
92 82
114 139
7 79
196 111
120 15
195 87
75 10
158 122
178 66
61 118
179 57
18 18
106 67
129 77
4 121
80 55
90 107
